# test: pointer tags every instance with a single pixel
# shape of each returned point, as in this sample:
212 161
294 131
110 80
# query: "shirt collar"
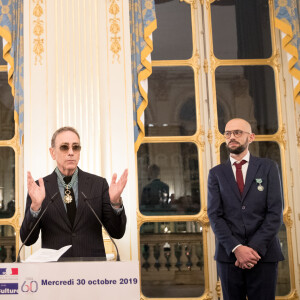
60 177
246 158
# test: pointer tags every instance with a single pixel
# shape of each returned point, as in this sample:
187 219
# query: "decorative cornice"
38 30
115 46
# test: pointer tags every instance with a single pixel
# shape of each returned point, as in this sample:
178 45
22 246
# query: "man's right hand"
246 257
36 193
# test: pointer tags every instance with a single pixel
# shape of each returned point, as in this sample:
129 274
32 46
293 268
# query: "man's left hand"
246 257
116 187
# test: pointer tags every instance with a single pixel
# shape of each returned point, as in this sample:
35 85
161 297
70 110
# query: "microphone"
37 221
93 211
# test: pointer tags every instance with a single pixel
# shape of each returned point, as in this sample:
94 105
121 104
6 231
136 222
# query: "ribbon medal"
259 182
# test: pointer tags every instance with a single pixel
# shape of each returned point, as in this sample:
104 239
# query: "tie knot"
67 179
239 165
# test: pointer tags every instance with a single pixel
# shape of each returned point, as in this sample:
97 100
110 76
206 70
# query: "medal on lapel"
68 198
259 182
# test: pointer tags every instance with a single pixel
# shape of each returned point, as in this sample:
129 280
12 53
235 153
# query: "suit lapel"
52 188
83 190
230 178
251 172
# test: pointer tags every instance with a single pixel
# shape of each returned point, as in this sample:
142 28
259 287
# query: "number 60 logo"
29 287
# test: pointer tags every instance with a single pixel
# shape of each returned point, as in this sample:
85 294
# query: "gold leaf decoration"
287 217
114 28
38 11
38 31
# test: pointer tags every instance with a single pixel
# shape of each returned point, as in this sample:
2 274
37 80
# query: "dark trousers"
258 283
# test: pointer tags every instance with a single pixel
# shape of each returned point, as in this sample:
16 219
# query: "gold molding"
204 217
196 62
193 3
209 136
207 296
205 66
274 61
114 29
219 139
201 137
218 288
280 136
292 296
298 132
139 219
38 31
287 217
14 221
213 61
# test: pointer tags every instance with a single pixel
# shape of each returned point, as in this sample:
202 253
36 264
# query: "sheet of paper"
45 255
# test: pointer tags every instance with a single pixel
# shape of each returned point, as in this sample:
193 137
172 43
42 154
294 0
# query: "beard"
237 150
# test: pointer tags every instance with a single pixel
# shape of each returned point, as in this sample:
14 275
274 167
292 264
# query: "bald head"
238 124
238 136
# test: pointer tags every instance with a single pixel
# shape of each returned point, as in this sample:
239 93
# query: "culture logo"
29 286
8 288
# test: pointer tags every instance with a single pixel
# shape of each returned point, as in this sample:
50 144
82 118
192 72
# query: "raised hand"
36 193
116 187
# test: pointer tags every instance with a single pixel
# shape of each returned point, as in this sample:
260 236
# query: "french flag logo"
9 271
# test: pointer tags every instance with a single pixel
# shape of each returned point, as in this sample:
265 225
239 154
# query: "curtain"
142 25
11 30
287 20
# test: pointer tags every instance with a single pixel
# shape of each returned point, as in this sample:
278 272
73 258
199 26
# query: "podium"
70 280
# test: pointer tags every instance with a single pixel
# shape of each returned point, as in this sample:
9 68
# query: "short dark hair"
60 130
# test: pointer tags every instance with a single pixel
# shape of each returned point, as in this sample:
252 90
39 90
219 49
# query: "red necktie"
239 175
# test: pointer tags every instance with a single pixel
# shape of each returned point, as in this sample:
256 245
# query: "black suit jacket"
252 219
86 234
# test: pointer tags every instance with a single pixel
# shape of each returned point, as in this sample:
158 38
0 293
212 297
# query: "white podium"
70 280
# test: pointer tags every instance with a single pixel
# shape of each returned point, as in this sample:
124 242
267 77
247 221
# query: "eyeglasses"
65 148
236 133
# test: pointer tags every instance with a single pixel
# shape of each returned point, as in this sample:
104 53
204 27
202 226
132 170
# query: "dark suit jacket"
86 234
252 219
154 192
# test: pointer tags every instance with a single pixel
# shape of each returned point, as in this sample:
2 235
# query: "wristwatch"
120 203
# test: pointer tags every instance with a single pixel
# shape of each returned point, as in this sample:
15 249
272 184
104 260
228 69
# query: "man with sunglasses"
69 220
245 211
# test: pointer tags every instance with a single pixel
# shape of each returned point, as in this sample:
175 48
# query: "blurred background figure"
156 192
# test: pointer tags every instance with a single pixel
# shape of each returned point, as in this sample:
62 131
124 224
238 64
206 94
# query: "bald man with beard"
245 211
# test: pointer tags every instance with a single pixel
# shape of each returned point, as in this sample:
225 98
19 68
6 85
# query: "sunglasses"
65 148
